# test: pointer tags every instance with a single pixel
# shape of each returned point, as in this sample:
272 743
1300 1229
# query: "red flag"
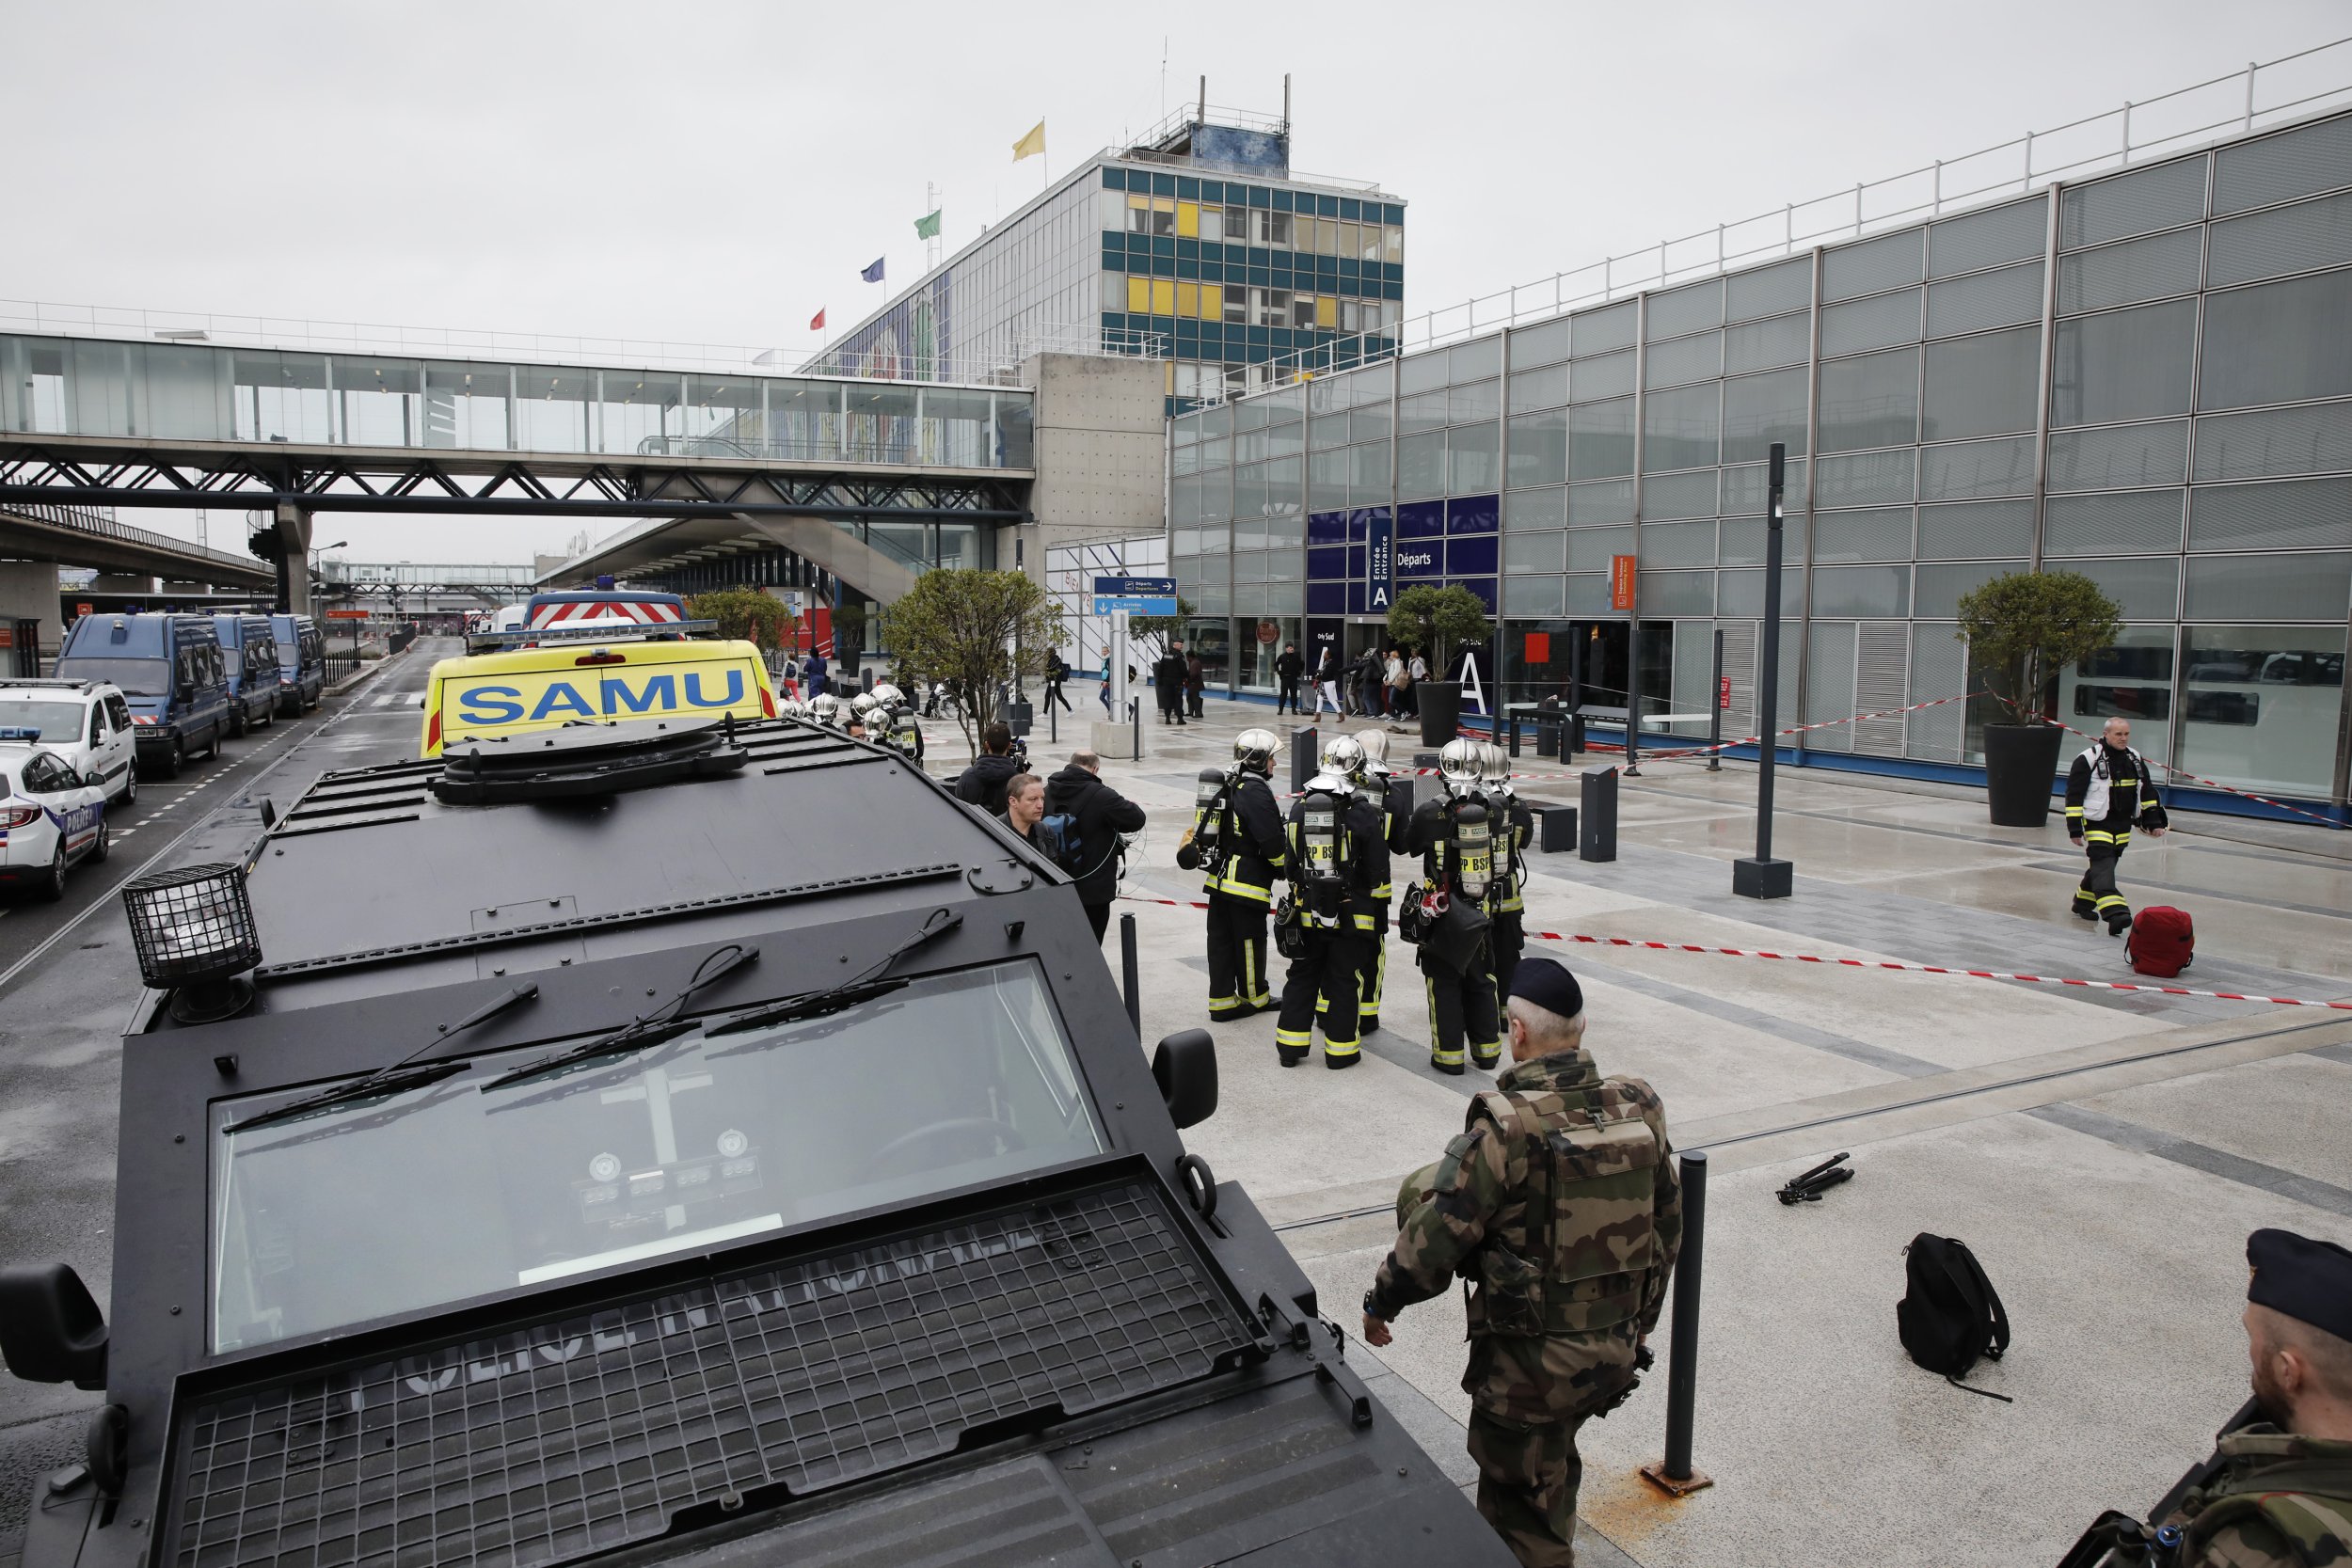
816 321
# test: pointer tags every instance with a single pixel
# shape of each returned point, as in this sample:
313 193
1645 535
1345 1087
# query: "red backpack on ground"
2162 941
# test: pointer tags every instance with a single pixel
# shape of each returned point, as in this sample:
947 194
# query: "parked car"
169 670
86 722
248 647
301 663
50 817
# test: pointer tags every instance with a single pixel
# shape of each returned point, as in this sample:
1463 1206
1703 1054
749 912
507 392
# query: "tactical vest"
1570 1251
2307 1500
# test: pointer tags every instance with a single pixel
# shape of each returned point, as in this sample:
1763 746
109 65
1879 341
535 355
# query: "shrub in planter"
2021 629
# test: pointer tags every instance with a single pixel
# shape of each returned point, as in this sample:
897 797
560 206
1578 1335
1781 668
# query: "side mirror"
94 779
51 1331
1185 1067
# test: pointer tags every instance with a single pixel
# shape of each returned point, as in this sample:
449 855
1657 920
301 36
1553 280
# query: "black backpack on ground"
1949 1315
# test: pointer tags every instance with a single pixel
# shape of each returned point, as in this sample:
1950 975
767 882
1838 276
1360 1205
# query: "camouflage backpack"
1577 1260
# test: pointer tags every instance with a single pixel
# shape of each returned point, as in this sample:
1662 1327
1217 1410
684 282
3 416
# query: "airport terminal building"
2144 377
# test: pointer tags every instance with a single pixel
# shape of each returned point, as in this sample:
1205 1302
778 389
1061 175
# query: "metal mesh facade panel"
1829 685
1539 345
2278 342
1534 596
1608 376
1739 644
1676 311
1987 239
1684 495
2131 522
2310 440
2156 267
1885 263
1971 469
2144 590
1249 598
1547 387
1939 668
1475 361
1761 409
1880 321
1937 589
2302 238
1589 548
1741 592
1535 552
1976 530
1600 441
1768 344
1769 291
1682 428
1587 594
1285 598
1879 590
1694 358
2117 457
1525 510
1417 373
1740 541
1668 594
1882 667
2283 166
1866 479
2008 297
1599 331
2268 588
589 1434
1872 401
1744 486
2161 196
2291 515
1880 534
1608 502
1678 544
2130 364
1982 385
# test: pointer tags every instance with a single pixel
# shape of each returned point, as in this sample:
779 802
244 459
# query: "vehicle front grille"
551 1442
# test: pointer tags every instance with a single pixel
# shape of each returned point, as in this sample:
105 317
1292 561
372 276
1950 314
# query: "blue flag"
874 273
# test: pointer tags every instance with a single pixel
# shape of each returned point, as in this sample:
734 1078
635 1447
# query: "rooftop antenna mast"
1286 102
1200 115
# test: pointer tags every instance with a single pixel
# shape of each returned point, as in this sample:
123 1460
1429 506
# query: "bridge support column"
29 593
294 558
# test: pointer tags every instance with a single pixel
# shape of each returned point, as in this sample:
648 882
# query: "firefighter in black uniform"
1339 856
1237 842
1394 798
2107 792
1514 829
1448 914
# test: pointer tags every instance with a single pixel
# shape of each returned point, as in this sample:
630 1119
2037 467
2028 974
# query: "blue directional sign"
1135 596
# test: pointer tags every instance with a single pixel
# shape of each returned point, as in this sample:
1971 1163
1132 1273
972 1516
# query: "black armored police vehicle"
680 1143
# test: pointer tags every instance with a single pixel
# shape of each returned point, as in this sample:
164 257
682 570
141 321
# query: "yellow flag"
1030 146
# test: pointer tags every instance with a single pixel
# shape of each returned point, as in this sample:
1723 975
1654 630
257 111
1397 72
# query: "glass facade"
2145 377
195 392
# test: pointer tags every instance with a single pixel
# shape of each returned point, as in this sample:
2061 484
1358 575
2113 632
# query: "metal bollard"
1673 1472
1135 719
1129 975
1306 756
1598 838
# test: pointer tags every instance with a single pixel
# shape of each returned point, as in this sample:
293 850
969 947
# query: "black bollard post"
1306 757
1674 1473
1762 877
1129 975
1135 719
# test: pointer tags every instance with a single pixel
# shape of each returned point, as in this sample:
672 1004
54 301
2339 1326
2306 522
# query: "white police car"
49 815
87 722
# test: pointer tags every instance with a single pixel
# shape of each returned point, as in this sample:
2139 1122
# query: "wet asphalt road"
67 985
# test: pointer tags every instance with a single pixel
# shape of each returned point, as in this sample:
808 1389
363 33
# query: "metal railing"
997 364
2265 93
101 521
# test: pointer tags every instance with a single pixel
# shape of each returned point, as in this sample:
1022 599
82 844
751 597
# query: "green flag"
927 227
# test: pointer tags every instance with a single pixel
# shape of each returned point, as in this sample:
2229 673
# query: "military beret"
2309 1281
1547 984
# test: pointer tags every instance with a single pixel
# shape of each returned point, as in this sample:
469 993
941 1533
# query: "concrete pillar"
1102 457
28 591
294 558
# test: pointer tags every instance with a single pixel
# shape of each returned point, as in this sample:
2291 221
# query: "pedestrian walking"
1371 702
2107 792
1237 842
1327 682
1099 814
1103 695
1056 672
1393 684
1416 671
1288 667
1560 1202
1195 682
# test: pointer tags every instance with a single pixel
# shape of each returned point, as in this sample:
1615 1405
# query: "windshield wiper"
407 1073
861 986
661 1024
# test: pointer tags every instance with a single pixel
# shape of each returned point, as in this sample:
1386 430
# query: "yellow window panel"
1163 296
1212 302
1140 203
1189 300
1138 296
1168 379
1189 219
1327 311
1164 203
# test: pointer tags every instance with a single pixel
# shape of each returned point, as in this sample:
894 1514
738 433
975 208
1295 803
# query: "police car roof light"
20 731
603 631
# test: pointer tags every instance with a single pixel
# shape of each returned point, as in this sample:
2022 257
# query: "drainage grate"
576 1436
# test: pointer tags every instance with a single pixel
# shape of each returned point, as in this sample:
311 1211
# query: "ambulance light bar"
594 631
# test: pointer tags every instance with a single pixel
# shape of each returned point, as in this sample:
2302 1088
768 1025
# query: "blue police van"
248 647
301 663
170 670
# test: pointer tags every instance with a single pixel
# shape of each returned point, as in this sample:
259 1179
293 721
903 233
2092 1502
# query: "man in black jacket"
1167 683
1101 814
983 783
1288 667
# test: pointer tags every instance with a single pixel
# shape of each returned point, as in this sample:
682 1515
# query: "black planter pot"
2020 767
1440 710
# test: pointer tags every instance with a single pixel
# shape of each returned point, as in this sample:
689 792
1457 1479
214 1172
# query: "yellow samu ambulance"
593 657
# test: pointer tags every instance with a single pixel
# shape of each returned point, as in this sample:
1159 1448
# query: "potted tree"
2021 630
1441 620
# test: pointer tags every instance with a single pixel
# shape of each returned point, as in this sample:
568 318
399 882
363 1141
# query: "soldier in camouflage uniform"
2278 1494
1560 1202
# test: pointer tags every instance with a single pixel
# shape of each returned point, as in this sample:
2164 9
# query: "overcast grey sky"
716 173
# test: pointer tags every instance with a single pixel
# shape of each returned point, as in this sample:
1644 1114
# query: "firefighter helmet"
791 707
887 694
1344 757
1375 745
1255 749
1458 761
826 709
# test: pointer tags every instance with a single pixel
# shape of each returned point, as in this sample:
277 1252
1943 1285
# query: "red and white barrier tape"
2181 773
1931 969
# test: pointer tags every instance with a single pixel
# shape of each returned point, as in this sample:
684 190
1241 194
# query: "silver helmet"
791 707
1458 761
1255 749
887 694
864 703
826 709
1375 745
1344 757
